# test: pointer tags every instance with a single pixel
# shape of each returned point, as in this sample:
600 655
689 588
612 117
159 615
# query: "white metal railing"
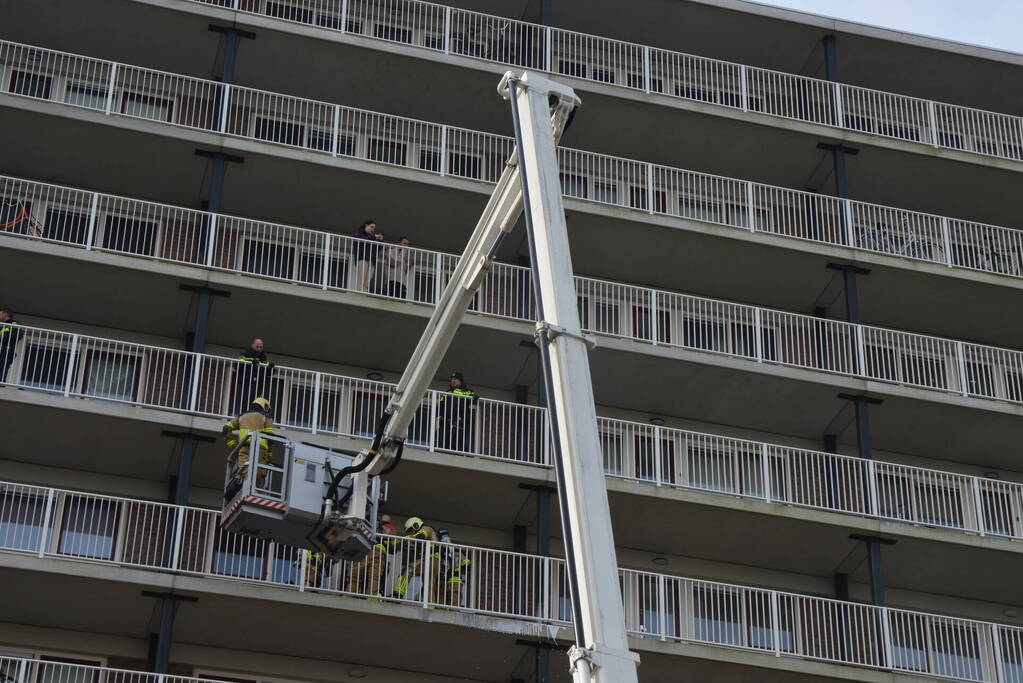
100 369
58 523
335 130
329 261
653 70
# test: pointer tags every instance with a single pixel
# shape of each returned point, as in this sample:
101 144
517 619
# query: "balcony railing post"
875 509
211 239
765 467
836 89
325 275
662 607
433 420
179 525
545 588
886 638
744 86
224 102
847 217
47 514
946 240
548 56
750 208
111 86
90 234
447 29
978 506
23 671
775 624
996 653
303 564
654 327
932 120
344 16
860 361
335 130
314 419
72 363
193 392
647 76
438 277
758 334
964 387
650 188
443 165
425 577
658 469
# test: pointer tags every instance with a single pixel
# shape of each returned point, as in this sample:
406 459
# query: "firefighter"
314 564
365 577
454 564
9 334
253 375
414 555
255 419
457 412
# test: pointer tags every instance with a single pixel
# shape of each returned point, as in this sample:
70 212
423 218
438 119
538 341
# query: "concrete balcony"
767 229
724 487
48 534
699 99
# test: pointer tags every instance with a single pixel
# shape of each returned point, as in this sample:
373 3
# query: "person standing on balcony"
457 416
9 336
453 566
367 251
253 375
413 554
398 263
255 420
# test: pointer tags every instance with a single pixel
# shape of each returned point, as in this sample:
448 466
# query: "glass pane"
132 236
81 95
716 614
45 367
90 527
111 375
21 521
146 107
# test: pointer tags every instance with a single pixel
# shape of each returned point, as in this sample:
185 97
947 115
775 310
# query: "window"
465 165
638 199
607 317
54 670
300 408
604 75
923 370
366 411
573 185
321 140
569 68
744 338
939 505
289 12
267 258
901 131
698 333
346 145
30 84
238 555
21 521
1014 385
395 33
717 615
282 132
67 225
998 512
310 269
605 191
881 363
82 95
388 151
45 367
146 107
433 41
330 21
429 160
129 235
641 328
701 210
979 379
111 375
89 528
646 459
423 287
711 470
611 447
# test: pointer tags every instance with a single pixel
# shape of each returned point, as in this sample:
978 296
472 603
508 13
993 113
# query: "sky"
991 23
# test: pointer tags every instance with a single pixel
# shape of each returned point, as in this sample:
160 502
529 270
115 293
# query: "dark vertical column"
547 12
876 574
830 59
160 642
543 548
834 473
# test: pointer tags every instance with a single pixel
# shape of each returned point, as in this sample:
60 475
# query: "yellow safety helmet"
262 403
413 524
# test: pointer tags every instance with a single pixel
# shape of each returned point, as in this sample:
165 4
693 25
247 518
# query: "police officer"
253 375
457 416
9 335
255 419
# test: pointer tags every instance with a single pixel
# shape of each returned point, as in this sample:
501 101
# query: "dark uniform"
252 378
457 412
9 335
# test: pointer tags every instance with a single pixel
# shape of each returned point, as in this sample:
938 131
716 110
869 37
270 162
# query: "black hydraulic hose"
372 454
545 364
397 459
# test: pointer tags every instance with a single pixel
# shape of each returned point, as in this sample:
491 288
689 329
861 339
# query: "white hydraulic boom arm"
541 109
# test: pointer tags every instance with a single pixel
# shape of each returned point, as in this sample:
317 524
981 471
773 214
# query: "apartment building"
794 247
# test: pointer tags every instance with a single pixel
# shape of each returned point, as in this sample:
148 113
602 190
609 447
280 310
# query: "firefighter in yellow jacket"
413 555
255 419
365 577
